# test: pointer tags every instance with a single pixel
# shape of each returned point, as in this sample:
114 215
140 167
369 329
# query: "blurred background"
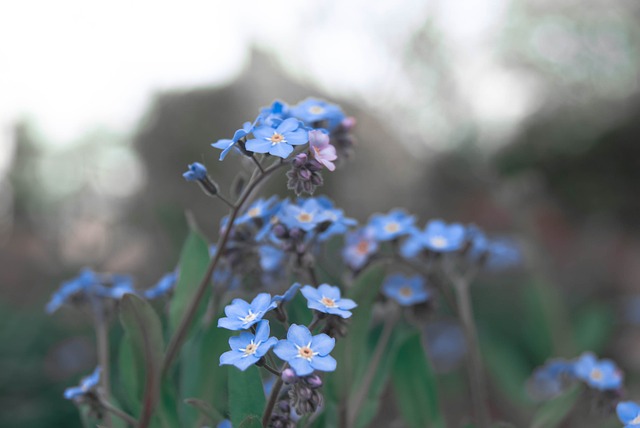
520 116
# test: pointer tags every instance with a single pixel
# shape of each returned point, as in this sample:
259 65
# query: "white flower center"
249 317
277 138
254 212
635 421
439 241
406 291
596 374
306 352
329 303
392 227
250 349
316 110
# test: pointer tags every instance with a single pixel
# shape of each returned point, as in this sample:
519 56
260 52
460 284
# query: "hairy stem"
177 340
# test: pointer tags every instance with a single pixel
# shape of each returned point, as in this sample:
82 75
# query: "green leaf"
144 331
415 386
194 260
552 413
131 382
251 422
593 328
206 411
246 395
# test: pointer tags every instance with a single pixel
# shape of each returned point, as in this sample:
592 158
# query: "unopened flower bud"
289 376
300 160
314 381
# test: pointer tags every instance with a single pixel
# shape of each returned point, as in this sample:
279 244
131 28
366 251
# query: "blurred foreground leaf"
552 413
246 396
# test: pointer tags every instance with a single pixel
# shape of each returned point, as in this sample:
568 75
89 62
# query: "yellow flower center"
596 374
306 352
304 217
316 110
329 303
362 247
277 138
406 291
254 212
392 227
439 241
250 349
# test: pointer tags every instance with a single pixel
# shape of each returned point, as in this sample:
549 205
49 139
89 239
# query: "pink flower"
322 150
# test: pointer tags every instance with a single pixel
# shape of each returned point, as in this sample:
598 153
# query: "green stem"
364 388
273 398
102 345
177 340
119 413
474 365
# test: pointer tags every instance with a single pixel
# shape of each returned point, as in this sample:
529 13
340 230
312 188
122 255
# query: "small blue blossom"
405 290
551 380
599 374
306 353
288 295
75 287
339 223
274 114
196 172
242 315
226 423
502 254
629 413
120 286
260 210
313 110
386 227
306 215
87 384
247 348
359 246
271 258
163 287
326 299
278 140
226 145
437 236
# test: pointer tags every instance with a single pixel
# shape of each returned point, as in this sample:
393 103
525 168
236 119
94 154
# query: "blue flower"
306 215
327 299
76 287
551 380
405 290
260 210
226 423
87 385
274 114
313 110
628 413
599 374
196 172
306 353
278 140
271 258
339 223
163 287
242 315
391 226
359 246
502 254
247 348
437 236
288 295
227 144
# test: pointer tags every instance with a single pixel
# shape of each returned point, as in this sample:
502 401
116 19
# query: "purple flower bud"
314 381
348 123
300 160
279 231
304 174
296 233
289 376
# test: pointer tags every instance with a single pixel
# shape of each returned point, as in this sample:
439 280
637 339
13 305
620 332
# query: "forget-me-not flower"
242 315
599 374
405 290
87 384
278 140
359 246
629 413
307 214
313 110
551 380
196 172
247 348
386 227
326 299
225 144
437 236
163 287
306 353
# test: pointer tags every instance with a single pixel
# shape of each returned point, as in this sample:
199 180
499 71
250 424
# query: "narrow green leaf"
194 260
415 386
246 395
131 382
552 413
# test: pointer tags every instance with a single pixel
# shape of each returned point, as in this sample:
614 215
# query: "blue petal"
310 293
314 304
222 144
262 331
627 411
230 357
347 304
301 366
264 132
237 308
297 137
261 303
230 324
288 125
299 335
244 362
285 350
325 364
258 146
327 290
322 344
281 150
241 341
265 346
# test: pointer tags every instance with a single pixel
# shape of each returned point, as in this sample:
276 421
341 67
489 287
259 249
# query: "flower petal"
301 366
288 125
285 350
281 150
265 346
297 137
325 364
299 335
322 344
347 304
258 146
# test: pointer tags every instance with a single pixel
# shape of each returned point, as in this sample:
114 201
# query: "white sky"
73 65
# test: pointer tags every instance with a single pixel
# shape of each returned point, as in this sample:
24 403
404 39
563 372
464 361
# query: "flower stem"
364 387
119 413
474 364
273 398
177 340
102 345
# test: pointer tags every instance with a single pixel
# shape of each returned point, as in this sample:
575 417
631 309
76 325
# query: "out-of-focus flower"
405 290
306 353
260 211
359 246
322 150
247 349
225 145
326 299
271 258
87 385
551 380
314 111
599 374
629 413
306 216
437 236
278 140
163 287
242 315
386 227
196 172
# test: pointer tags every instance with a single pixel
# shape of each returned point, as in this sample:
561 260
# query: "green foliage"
246 397
552 413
